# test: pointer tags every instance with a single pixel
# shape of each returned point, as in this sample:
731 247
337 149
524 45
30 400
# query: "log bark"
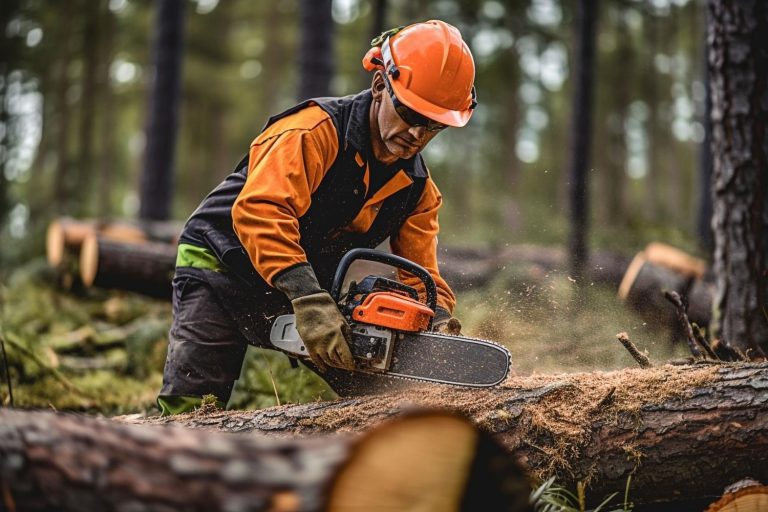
682 432
430 461
139 267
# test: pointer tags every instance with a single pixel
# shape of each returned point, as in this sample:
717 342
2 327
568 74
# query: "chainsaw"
391 330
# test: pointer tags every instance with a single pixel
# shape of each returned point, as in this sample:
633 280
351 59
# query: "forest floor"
103 351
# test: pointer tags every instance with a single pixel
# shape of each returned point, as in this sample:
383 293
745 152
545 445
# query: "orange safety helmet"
430 68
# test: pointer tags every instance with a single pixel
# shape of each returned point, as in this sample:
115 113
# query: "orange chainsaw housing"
393 310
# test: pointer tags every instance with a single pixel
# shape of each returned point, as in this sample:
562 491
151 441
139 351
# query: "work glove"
321 326
445 323
323 330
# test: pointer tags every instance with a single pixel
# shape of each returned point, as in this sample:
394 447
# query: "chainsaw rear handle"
387 259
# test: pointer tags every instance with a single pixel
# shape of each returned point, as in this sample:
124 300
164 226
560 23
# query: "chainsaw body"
391 330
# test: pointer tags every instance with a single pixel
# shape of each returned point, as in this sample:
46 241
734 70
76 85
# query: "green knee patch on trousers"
178 404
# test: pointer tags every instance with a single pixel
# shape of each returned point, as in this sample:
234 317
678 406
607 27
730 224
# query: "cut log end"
89 259
435 460
752 498
54 244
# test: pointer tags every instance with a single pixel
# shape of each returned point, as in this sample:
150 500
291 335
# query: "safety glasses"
409 115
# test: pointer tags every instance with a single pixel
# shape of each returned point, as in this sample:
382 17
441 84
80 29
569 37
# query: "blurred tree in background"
74 78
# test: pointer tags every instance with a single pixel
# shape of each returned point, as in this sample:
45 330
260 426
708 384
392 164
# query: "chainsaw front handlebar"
388 259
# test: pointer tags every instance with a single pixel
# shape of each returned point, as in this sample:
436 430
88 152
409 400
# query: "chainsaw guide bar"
421 356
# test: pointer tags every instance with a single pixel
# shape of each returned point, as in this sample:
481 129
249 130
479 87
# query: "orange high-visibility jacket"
310 190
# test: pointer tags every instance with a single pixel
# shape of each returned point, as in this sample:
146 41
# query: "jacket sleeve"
286 165
417 241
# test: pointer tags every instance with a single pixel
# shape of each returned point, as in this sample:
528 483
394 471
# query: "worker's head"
423 83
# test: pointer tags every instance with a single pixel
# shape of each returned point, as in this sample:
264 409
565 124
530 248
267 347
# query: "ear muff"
373 59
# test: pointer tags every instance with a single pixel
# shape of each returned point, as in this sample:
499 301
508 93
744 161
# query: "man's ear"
378 86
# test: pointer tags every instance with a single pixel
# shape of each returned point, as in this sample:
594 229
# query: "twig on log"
641 359
698 332
682 315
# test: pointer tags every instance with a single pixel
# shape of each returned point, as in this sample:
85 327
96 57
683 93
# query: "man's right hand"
323 330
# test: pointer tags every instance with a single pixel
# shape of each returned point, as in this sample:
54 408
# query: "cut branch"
641 359
681 308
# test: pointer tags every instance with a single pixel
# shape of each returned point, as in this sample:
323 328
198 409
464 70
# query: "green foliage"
550 497
104 351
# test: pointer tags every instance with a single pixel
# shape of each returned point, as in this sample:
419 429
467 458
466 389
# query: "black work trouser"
215 318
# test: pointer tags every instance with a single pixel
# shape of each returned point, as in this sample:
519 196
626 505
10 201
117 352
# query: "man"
326 176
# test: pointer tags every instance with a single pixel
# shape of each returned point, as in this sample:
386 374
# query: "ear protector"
373 59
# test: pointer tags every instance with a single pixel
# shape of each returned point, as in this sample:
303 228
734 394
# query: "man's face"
400 139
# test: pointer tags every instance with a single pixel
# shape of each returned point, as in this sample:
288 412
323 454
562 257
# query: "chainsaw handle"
388 259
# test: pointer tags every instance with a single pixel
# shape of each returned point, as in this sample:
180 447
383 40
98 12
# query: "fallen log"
142 267
65 237
683 433
466 268
429 461
463 268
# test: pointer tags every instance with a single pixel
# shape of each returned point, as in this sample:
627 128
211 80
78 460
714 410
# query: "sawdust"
567 405
558 410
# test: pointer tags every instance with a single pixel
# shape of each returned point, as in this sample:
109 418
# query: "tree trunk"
706 164
85 172
62 178
581 136
316 52
105 178
378 18
739 87
428 462
162 120
12 51
668 427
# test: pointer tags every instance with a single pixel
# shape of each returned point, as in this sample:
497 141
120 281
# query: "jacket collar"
358 135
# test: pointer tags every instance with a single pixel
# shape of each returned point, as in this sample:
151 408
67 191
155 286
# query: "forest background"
75 80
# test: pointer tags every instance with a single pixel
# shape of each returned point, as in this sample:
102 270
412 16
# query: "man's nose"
417 132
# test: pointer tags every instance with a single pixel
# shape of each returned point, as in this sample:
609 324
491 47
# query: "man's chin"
402 151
